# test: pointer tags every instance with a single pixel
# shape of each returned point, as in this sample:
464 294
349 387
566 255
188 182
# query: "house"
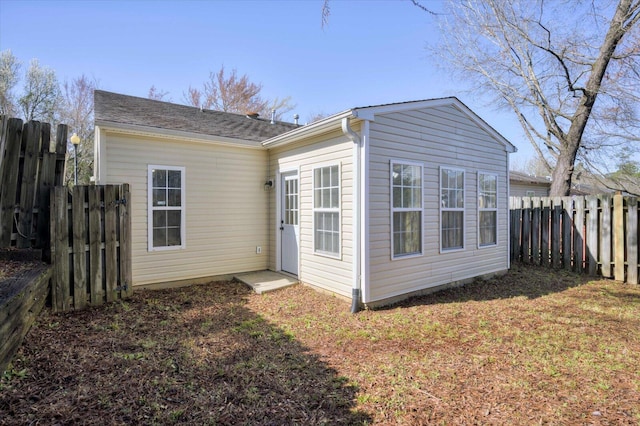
373 203
524 185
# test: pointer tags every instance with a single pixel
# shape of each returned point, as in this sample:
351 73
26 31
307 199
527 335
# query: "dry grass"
532 347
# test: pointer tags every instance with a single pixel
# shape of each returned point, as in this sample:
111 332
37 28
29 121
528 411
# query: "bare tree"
233 93
41 94
549 62
158 95
76 110
9 76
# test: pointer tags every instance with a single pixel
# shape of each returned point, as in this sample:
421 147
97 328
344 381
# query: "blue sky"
372 52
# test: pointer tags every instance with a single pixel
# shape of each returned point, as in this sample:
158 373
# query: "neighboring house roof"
528 179
122 111
369 113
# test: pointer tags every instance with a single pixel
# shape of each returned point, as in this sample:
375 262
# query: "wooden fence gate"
597 234
29 168
91 248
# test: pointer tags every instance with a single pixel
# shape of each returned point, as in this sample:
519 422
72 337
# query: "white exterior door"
289 223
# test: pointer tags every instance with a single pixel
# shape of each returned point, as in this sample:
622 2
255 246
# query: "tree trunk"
563 172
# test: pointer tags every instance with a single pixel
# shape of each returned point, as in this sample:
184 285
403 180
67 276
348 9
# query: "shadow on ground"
526 281
174 356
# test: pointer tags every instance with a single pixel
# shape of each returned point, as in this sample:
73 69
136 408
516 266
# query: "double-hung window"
487 209
406 209
166 207
326 210
451 209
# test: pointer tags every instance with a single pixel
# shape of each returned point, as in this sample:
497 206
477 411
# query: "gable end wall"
434 137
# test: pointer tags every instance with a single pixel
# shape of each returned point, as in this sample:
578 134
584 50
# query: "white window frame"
451 209
485 209
151 208
405 209
337 210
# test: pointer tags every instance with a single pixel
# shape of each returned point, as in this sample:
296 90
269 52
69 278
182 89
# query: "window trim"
315 210
449 209
151 208
495 209
393 209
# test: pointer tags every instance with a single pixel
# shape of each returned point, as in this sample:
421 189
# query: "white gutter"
316 128
357 188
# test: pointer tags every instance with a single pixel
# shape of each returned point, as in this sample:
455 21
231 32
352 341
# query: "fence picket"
526 230
567 232
31 147
110 247
12 139
632 240
618 237
516 229
95 249
535 230
544 230
60 290
556 235
605 236
79 256
591 248
578 234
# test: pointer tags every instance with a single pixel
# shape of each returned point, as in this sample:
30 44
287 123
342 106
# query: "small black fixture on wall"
268 185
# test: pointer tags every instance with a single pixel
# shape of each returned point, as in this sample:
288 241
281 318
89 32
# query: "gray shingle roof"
115 108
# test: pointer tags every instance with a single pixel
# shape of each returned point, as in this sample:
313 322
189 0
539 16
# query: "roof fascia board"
134 129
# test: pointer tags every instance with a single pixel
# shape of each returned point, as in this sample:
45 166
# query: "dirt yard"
532 347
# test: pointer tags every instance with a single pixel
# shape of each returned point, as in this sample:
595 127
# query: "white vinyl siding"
166 207
328 272
326 210
406 209
451 209
433 137
487 209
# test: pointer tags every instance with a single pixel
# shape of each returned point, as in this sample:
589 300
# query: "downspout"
357 247
508 211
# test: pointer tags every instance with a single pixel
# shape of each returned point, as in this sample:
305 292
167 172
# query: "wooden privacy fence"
597 234
91 245
28 171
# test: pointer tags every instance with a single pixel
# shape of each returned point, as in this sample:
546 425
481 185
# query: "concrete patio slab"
265 281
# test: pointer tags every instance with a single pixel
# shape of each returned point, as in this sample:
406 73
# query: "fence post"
125 241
